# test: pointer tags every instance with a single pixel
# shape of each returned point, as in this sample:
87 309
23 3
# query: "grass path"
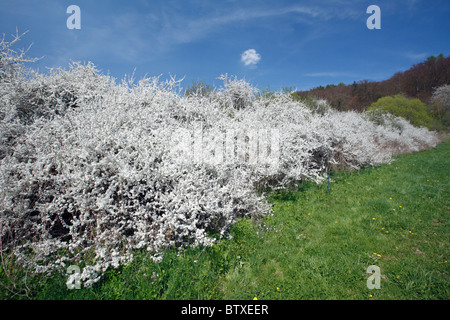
315 246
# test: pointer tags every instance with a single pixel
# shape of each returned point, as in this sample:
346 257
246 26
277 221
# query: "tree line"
417 82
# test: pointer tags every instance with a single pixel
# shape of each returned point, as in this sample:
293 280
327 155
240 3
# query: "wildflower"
278 289
393 209
400 206
370 296
255 298
390 198
309 214
373 218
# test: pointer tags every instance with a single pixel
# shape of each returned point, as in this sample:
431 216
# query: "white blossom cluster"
90 169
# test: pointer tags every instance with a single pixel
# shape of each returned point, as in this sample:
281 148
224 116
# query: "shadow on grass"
291 194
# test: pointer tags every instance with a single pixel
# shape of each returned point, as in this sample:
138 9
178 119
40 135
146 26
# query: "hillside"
416 82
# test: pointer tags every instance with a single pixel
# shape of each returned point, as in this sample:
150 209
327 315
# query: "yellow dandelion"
400 206
373 219
390 198
379 255
278 289
370 296
393 209
382 228
309 213
255 298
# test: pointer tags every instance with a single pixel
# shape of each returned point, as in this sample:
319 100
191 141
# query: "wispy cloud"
331 74
142 35
179 28
415 56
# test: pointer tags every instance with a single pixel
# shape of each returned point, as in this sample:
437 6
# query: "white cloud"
250 57
415 56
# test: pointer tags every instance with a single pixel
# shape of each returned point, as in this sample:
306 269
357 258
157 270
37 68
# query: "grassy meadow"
316 245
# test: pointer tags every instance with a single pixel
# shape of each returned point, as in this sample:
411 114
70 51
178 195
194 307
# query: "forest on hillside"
417 82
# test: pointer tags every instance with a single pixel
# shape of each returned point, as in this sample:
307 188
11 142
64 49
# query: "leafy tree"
413 110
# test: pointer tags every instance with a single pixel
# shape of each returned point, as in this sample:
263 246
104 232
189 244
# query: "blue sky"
299 44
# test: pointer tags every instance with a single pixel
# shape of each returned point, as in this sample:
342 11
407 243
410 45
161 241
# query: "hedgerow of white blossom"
91 169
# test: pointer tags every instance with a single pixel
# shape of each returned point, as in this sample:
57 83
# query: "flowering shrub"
92 169
441 104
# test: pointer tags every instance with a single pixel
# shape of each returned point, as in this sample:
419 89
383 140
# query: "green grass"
395 218
315 246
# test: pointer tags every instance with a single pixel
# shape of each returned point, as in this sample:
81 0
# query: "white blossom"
89 165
